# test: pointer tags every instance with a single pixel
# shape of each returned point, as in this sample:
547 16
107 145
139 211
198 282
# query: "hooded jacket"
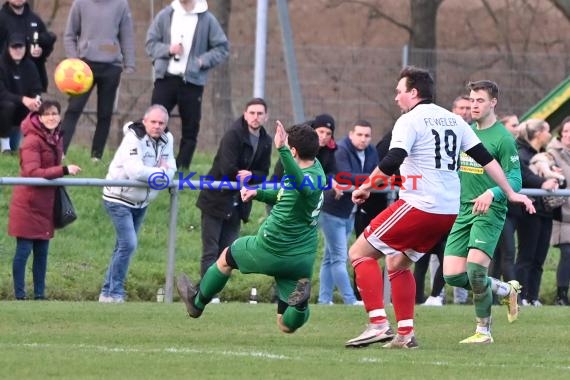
138 158
27 24
18 79
31 207
210 45
100 31
349 167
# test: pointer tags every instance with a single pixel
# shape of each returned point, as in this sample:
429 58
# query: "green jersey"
475 181
291 227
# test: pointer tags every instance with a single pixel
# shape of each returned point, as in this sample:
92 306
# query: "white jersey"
433 137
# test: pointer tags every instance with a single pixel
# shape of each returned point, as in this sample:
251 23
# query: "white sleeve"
403 135
469 139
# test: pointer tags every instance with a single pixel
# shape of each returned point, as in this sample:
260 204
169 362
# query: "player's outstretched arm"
496 172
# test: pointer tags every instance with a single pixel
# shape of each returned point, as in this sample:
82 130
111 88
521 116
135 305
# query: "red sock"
403 298
370 284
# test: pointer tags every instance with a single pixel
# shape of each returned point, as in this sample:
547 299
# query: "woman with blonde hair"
560 149
534 230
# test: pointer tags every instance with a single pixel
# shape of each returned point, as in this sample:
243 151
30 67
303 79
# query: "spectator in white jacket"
145 153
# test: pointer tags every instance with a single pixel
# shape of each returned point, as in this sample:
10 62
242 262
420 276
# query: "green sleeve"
510 162
293 171
267 196
514 179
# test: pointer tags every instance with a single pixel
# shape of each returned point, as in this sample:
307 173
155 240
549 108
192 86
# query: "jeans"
333 273
106 78
217 234
127 221
39 267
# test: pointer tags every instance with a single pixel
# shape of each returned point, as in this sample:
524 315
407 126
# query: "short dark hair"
486 85
256 101
362 123
460 97
420 79
47 104
304 139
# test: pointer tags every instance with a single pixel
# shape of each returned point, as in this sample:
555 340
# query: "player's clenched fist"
247 194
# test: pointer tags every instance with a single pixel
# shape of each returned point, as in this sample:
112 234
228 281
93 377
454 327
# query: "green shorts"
475 231
251 257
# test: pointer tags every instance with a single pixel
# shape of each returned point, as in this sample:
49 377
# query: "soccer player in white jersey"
426 141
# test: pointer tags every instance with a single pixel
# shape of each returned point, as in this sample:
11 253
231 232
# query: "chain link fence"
349 83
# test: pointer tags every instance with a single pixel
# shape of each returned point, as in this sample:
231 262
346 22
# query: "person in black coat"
244 154
20 88
16 16
534 230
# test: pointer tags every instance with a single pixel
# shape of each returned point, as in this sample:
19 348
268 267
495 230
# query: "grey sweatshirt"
100 31
210 46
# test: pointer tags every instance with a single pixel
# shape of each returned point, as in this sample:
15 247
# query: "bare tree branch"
373 12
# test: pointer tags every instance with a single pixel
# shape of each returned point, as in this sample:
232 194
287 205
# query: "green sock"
482 295
460 280
294 318
211 284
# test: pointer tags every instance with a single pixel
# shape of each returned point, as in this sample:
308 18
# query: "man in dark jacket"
244 155
16 16
20 88
355 158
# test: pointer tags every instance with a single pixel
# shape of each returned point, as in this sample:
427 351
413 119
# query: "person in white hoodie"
184 41
145 153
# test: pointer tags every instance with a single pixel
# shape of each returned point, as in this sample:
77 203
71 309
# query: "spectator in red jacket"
31 208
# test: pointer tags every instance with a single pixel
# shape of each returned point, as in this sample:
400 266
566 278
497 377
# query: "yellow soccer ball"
73 76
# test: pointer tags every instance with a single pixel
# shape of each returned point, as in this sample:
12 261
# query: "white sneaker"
433 301
374 333
118 300
215 300
358 303
105 299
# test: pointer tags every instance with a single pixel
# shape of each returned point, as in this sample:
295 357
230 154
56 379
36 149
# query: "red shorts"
403 228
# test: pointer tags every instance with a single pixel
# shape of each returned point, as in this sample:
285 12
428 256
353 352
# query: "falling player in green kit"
286 244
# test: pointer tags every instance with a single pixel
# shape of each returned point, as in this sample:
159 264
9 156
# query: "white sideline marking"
376 360
175 350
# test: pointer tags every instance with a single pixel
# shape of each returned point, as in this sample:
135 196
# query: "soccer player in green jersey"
286 244
482 213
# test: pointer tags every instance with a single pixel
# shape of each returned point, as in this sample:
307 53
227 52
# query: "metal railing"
174 187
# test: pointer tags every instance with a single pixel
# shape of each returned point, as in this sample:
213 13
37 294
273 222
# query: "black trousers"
106 77
173 91
420 269
503 263
533 234
11 115
217 234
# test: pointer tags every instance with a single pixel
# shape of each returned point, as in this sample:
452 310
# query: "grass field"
87 340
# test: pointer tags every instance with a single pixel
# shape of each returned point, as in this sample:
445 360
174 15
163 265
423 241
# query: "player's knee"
285 329
460 280
477 278
226 262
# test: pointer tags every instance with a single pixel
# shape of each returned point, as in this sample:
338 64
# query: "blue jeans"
127 222
39 267
336 232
